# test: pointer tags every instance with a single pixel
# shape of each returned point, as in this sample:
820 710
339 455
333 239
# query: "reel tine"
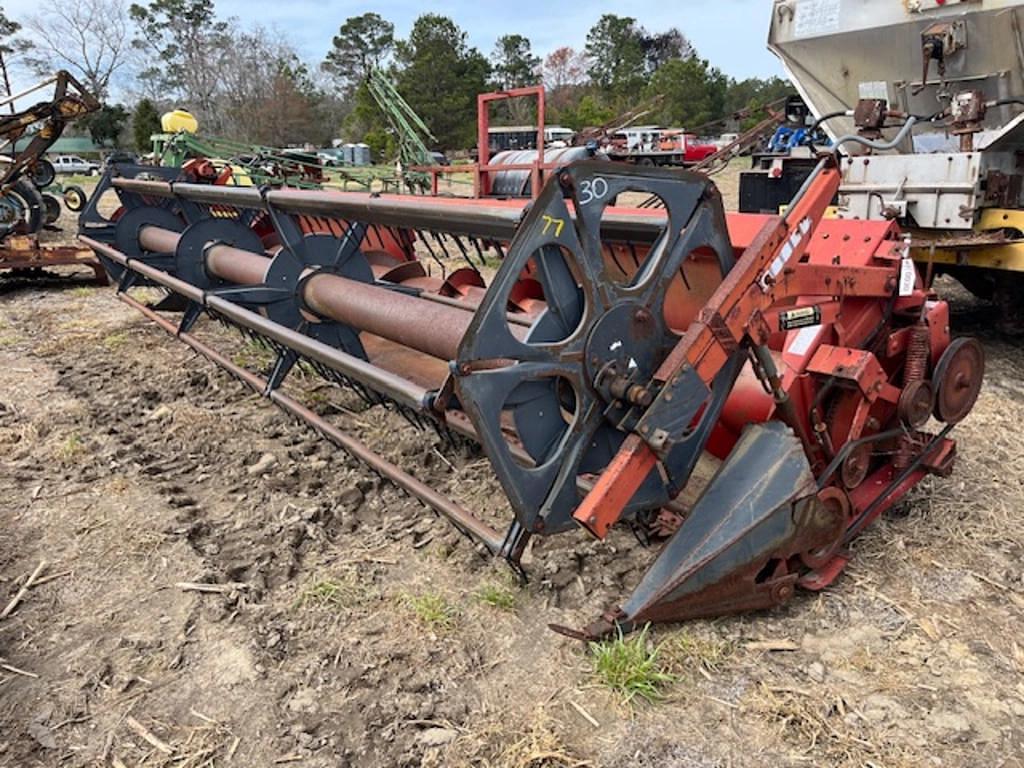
440 243
426 243
464 252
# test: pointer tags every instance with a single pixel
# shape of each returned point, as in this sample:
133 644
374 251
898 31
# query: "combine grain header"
612 351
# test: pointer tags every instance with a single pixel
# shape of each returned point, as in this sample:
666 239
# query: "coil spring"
918 347
914 369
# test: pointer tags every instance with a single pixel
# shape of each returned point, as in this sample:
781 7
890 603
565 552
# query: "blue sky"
729 33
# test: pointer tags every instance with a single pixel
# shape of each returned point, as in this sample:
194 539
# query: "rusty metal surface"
427 327
237 266
26 253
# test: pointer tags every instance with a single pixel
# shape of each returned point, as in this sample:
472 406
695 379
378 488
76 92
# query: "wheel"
916 404
74 198
94 171
42 173
27 202
51 208
958 378
830 514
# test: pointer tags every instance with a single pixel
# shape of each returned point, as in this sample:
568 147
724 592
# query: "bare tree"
186 46
267 95
11 47
89 38
564 70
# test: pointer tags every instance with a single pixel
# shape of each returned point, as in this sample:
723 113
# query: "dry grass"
117 340
689 650
206 744
334 593
812 723
496 743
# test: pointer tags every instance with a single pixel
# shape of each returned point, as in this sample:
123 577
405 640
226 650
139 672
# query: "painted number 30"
592 189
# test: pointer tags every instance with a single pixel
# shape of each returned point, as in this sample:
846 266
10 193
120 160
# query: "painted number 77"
551 221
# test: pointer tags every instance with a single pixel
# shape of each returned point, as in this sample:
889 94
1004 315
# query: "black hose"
817 124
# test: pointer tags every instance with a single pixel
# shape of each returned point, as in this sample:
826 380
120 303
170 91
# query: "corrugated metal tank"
517 183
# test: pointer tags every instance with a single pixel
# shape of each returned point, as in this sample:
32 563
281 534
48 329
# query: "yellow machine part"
1005 256
179 120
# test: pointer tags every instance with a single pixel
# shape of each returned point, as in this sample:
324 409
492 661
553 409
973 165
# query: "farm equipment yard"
222 585
418 408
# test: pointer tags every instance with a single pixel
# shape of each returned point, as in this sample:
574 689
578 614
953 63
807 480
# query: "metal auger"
613 350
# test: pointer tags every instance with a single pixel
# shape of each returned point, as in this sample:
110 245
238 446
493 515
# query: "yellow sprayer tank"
178 120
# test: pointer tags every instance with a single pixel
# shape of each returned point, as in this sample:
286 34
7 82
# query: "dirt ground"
349 627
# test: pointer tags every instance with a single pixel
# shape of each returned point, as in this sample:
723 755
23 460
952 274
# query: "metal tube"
14 97
224 261
158 276
237 266
428 327
460 517
398 389
489 219
395 387
158 239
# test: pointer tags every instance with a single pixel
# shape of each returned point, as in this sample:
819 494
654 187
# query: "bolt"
592 519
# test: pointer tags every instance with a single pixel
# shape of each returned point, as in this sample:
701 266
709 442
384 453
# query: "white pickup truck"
74 164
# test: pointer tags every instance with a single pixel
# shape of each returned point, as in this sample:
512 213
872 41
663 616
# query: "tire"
51 208
26 198
75 198
94 171
43 174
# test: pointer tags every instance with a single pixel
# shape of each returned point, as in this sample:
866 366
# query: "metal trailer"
933 93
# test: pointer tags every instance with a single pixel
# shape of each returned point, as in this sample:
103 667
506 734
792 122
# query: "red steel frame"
742 307
482 169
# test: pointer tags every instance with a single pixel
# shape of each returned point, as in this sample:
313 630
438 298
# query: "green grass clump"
331 592
71 449
631 667
253 355
432 609
116 340
497 596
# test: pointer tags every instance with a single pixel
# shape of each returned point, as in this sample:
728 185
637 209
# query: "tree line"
247 83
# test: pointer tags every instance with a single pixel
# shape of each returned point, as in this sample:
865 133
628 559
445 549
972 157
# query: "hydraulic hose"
881 145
